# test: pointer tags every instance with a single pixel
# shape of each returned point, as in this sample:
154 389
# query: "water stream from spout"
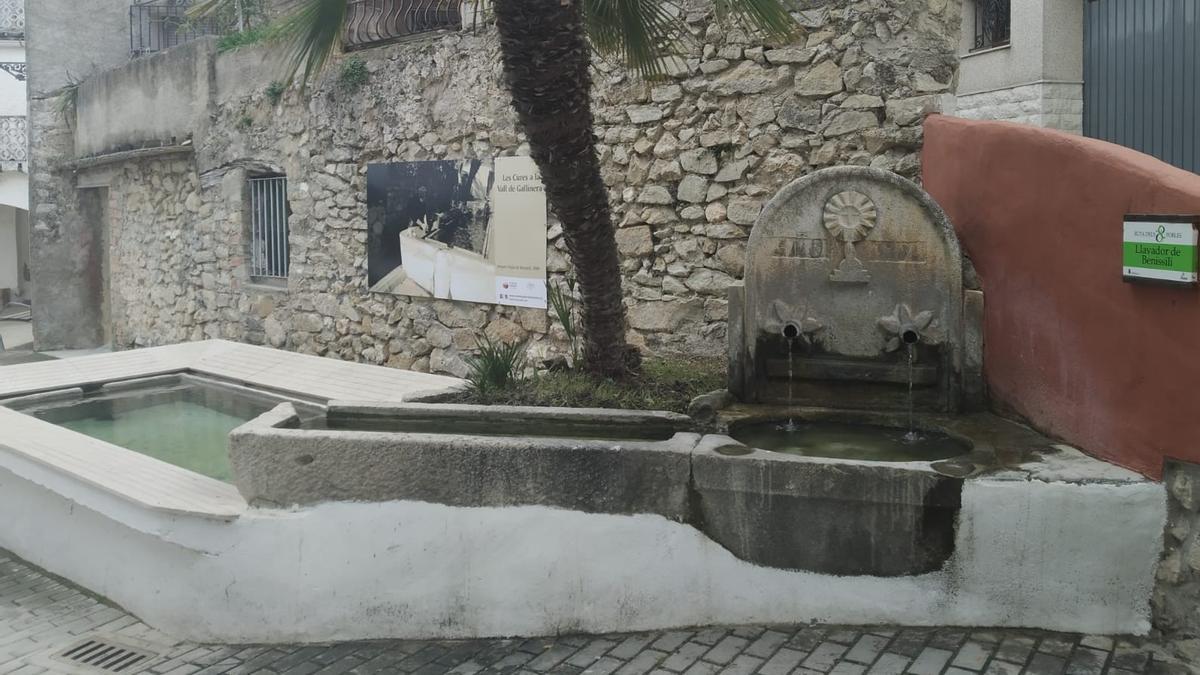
791 423
912 436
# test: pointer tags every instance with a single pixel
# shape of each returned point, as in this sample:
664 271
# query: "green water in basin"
188 427
850 441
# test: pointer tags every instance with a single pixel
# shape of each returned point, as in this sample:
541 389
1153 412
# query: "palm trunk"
547 63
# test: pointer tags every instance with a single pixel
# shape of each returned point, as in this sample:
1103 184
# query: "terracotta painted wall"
1110 367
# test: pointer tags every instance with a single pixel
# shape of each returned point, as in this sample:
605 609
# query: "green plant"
354 74
723 151
240 15
275 91
67 98
243 38
245 122
562 302
664 383
496 366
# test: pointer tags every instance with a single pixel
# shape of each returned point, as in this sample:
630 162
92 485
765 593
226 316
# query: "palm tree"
546 48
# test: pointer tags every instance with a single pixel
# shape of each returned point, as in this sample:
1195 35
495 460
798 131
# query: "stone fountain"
859 312
854 276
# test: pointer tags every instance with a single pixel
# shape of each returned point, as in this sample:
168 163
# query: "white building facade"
14 152
1022 61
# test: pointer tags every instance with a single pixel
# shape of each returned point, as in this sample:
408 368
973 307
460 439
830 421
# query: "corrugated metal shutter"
1141 72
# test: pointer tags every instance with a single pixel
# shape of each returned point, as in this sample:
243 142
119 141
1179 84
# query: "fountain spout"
791 330
909 335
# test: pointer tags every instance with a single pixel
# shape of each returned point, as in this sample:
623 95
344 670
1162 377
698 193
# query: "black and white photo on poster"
457 230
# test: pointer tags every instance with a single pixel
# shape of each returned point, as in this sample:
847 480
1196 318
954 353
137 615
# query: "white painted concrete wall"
12 90
1037 78
1030 553
14 188
14 184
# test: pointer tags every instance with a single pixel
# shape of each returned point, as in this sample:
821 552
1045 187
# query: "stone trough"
992 536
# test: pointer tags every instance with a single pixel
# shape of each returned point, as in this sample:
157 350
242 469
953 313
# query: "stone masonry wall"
1177 595
689 160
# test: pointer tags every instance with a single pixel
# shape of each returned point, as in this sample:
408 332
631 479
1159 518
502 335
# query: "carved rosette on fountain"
849 216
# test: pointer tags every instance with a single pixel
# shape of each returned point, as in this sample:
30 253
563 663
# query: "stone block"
746 78
1183 481
822 79
655 194
700 160
849 122
644 114
744 211
693 189
660 317
634 241
792 55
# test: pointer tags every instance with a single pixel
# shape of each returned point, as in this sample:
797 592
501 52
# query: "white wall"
12 90
1030 553
1037 78
14 184
14 189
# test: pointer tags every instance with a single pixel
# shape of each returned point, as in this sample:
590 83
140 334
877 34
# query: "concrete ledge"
160 152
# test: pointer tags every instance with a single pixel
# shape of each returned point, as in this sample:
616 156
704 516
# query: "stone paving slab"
41 615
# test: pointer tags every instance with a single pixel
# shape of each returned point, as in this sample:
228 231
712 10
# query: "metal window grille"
992 23
12 19
269 227
370 22
14 143
156 25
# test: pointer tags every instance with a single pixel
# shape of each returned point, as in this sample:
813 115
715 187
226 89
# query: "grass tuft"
496 367
664 384
354 74
245 38
274 92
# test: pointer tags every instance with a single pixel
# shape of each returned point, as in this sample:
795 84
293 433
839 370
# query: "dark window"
269 227
155 25
992 20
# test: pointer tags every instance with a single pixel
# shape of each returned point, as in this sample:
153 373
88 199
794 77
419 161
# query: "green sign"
1160 249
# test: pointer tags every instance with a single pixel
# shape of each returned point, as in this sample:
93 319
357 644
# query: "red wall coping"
1110 367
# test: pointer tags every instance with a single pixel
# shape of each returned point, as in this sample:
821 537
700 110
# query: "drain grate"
105 655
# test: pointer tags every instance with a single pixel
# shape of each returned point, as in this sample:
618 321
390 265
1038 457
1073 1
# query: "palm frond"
637 32
204 8
769 17
312 32
642 33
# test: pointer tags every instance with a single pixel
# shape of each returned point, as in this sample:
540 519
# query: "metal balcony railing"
14 143
12 19
372 22
156 25
993 19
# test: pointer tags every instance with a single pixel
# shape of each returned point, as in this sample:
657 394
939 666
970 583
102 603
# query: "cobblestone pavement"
41 615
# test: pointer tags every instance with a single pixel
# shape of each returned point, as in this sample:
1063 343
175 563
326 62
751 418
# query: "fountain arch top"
868 268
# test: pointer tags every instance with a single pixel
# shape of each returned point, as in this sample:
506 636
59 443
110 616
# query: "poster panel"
470 230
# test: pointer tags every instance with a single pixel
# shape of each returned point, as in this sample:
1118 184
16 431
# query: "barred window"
992 21
269 227
373 22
